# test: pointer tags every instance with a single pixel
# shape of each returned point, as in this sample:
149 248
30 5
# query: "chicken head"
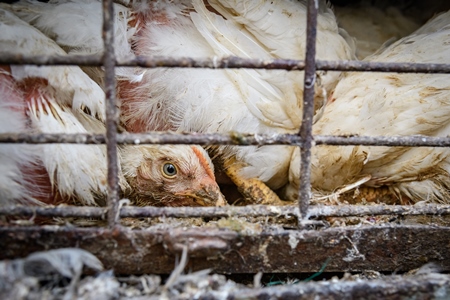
169 175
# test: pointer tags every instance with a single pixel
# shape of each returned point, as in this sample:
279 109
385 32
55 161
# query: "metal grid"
303 139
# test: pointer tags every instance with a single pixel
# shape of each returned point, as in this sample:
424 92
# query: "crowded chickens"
66 100
229 100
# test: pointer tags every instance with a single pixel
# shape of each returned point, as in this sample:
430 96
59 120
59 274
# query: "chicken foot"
251 188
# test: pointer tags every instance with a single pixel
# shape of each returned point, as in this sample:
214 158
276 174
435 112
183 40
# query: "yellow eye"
169 170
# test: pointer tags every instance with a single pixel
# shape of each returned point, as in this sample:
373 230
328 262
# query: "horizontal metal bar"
54 211
243 139
361 66
235 211
225 62
423 286
399 141
153 138
54 60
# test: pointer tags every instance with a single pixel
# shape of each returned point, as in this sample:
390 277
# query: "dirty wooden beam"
274 250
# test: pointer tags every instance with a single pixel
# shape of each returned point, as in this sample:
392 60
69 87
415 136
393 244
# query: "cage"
350 248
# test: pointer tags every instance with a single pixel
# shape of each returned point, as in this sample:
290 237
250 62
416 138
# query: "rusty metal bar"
414 140
55 211
112 114
373 66
367 210
226 62
51 60
423 286
308 108
243 139
230 211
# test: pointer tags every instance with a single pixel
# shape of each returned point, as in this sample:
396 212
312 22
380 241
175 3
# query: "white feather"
14 157
76 26
393 104
19 37
241 100
75 170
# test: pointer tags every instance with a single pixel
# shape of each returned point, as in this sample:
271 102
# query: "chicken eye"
169 170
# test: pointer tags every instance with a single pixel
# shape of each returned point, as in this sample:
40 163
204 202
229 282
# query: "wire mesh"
131 251
304 140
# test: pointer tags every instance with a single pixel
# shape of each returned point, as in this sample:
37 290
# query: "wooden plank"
154 250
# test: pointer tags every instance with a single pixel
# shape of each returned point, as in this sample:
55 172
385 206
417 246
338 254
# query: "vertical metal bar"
111 111
308 107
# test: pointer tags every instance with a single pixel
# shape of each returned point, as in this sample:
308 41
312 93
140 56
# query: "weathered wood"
154 250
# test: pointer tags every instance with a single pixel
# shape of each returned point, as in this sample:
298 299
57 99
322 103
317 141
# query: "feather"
78 172
14 186
392 104
54 96
239 100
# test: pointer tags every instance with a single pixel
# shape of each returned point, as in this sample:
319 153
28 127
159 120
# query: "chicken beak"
210 196
207 193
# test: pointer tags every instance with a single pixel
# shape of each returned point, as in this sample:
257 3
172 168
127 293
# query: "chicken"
199 100
372 26
239 100
375 104
66 100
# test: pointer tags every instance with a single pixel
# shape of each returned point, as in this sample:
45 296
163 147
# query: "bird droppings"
262 250
293 241
241 225
353 252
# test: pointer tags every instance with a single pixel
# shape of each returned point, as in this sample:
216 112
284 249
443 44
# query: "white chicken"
240 100
66 100
374 104
212 100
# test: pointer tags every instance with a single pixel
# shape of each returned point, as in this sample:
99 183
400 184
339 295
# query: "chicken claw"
256 191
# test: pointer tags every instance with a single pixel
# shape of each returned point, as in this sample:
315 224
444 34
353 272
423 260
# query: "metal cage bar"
308 108
112 114
240 139
130 251
230 62
310 65
214 212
